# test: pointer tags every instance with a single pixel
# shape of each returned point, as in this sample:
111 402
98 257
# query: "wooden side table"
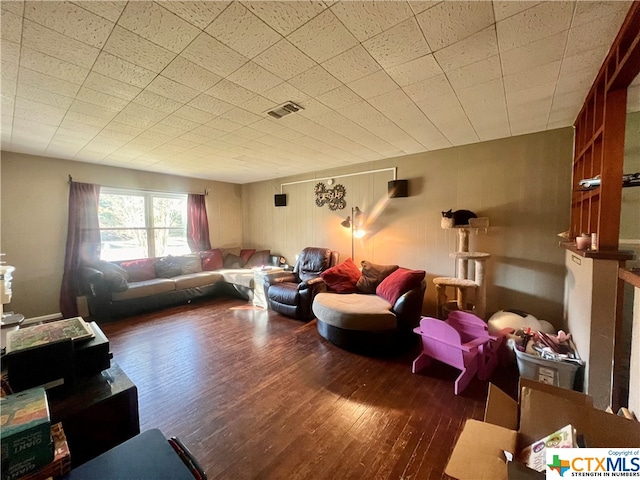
97 413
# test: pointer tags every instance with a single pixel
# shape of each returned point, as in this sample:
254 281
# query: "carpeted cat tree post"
462 284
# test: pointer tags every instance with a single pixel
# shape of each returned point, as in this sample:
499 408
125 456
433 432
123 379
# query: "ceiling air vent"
285 109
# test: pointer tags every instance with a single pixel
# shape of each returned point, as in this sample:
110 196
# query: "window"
137 224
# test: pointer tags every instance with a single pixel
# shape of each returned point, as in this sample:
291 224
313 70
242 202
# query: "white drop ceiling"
184 87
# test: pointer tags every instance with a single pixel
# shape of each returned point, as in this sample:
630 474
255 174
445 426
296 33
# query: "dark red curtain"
83 241
197 223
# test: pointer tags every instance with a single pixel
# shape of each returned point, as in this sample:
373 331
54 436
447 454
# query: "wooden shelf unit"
599 139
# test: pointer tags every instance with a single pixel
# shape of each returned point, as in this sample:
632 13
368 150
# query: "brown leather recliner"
292 293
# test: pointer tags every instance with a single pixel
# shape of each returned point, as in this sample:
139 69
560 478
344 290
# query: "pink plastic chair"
460 341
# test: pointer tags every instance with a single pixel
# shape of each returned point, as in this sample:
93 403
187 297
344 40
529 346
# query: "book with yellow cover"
74 328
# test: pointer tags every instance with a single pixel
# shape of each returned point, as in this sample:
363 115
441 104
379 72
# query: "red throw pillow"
398 283
140 270
258 259
342 278
211 259
245 255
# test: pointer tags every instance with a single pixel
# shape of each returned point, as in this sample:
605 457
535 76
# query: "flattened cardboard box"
541 409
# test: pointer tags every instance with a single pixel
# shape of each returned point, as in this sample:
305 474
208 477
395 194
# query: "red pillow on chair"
398 283
342 278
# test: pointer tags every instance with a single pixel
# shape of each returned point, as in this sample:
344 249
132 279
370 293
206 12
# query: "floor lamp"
354 222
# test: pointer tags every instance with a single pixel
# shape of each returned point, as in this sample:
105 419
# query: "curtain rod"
394 169
206 190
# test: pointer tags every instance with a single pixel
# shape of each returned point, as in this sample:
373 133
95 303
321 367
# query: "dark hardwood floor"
254 395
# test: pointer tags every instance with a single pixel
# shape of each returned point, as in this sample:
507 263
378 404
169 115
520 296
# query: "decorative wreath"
334 197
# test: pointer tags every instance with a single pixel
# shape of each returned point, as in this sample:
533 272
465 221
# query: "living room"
522 183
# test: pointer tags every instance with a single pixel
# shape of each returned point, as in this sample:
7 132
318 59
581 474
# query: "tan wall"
35 196
630 208
520 183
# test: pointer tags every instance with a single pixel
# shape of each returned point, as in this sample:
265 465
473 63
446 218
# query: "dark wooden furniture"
97 413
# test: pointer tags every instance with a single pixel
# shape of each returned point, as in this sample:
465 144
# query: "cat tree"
462 284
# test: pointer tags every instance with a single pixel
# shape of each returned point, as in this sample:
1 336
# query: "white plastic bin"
559 374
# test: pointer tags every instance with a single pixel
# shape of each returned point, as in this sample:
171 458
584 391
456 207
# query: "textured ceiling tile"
193 114
285 17
587 12
398 45
10 57
210 104
476 73
230 92
48 65
110 86
46 82
133 120
242 31
106 9
80 106
12 7
213 55
534 54
11 26
119 69
199 14
477 47
241 116
41 129
450 22
38 112
137 110
314 81
268 125
340 97
509 8
365 20
258 105
323 37
224 124
434 94
157 102
157 24
598 33
284 60
419 6
89 122
351 65
70 20
454 125
286 92
543 75
255 78
171 89
126 45
536 98
178 122
415 70
57 45
188 73
42 96
373 85
543 20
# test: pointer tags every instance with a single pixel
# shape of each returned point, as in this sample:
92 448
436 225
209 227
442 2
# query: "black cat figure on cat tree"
458 218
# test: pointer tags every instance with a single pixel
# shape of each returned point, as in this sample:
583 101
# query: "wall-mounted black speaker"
398 188
280 199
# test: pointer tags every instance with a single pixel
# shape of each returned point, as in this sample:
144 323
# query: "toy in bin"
534 456
551 359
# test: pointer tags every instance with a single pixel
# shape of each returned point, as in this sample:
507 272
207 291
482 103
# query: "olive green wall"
521 183
35 195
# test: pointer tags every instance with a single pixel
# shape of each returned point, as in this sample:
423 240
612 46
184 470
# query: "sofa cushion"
342 278
233 261
398 283
198 279
145 288
211 259
354 311
372 275
114 275
245 255
230 251
168 267
140 270
190 263
258 259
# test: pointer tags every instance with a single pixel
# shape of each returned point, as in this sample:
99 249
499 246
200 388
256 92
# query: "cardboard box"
61 464
25 434
540 410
